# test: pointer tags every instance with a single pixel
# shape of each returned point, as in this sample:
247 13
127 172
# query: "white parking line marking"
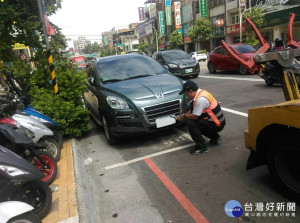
232 78
148 156
235 112
186 135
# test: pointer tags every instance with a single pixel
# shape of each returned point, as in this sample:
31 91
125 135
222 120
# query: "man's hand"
180 118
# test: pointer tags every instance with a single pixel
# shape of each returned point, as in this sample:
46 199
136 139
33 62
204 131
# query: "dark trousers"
200 127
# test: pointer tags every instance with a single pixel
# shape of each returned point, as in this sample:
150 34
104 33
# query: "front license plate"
164 121
190 70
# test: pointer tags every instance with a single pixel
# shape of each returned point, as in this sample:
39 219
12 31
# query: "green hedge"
67 107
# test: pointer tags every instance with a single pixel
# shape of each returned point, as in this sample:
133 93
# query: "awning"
163 46
150 1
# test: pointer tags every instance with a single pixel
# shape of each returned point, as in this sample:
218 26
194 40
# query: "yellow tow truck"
273 133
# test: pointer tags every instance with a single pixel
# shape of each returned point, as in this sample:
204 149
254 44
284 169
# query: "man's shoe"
198 151
216 140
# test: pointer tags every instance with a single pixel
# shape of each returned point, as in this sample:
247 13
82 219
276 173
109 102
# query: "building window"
197 6
215 3
235 18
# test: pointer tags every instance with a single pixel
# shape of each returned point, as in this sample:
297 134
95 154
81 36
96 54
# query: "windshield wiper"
145 75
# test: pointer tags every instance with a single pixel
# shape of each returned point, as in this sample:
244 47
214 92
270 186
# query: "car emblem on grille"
159 95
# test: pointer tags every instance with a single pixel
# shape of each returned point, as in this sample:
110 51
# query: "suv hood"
146 87
182 62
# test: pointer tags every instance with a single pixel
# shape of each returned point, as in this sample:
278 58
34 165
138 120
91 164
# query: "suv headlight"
172 65
116 103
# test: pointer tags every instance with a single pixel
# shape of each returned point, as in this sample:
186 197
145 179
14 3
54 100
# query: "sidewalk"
64 202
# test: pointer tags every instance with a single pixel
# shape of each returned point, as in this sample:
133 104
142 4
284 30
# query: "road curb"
88 211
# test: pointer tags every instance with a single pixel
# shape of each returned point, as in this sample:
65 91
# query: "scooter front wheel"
51 146
37 194
48 166
58 136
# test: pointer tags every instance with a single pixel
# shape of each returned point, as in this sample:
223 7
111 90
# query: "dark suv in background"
178 62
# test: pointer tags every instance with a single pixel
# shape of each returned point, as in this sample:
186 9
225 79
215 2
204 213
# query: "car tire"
283 163
196 75
109 136
211 68
269 82
243 71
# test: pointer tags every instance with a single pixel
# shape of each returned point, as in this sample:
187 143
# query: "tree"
175 40
257 17
201 31
143 47
92 48
155 37
20 23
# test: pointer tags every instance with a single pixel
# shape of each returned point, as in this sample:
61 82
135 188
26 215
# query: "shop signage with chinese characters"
161 22
203 8
177 15
234 29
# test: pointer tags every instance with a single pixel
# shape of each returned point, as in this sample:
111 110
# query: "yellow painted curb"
64 201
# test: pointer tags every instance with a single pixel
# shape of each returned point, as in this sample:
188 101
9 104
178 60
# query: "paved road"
153 178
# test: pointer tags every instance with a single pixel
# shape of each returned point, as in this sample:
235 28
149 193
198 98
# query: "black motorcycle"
20 181
272 72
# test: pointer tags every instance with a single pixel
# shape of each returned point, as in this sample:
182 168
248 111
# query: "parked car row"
133 93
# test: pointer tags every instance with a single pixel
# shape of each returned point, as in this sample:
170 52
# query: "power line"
83 35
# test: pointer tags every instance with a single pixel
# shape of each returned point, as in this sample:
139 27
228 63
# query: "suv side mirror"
91 80
160 61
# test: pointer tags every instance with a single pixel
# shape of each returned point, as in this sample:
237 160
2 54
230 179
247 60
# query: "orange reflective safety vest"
214 112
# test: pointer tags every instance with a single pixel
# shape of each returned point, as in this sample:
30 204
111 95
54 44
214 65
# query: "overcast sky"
92 17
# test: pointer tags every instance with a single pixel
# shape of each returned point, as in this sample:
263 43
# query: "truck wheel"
283 163
269 82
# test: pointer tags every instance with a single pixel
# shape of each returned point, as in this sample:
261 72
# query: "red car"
219 59
80 61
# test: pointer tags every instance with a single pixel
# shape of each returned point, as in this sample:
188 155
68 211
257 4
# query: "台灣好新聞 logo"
233 209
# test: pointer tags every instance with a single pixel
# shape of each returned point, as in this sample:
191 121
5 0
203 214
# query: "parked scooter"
42 135
19 140
24 98
20 181
47 122
17 212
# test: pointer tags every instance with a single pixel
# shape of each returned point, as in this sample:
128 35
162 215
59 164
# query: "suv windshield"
175 55
244 48
122 68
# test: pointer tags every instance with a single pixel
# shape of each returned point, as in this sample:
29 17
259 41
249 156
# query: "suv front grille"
161 110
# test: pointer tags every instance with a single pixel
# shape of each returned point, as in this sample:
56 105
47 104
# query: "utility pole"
156 37
241 16
39 2
49 54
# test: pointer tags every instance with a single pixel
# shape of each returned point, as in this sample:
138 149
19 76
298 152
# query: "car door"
90 96
218 57
229 62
